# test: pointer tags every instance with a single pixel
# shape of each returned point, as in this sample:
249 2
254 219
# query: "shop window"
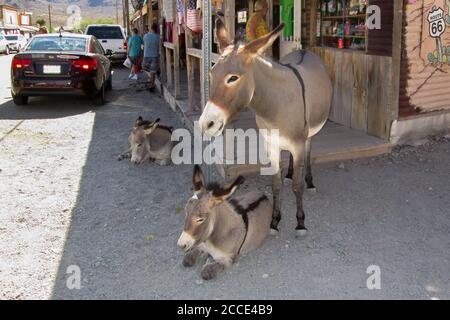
342 24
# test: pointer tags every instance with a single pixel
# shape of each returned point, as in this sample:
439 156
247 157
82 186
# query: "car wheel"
20 100
99 98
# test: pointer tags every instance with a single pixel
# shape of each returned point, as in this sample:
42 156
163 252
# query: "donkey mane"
244 210
170 129
147 122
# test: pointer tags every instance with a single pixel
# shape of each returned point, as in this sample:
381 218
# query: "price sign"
437 22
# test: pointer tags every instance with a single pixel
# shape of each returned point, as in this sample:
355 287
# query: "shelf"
356 16
344 36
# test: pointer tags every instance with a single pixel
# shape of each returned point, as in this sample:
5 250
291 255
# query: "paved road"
67 201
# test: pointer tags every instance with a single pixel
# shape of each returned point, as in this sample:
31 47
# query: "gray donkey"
221 226
293 96
149 141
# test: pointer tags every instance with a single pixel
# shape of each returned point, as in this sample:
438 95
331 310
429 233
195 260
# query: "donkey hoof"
300 232
274 232
312 190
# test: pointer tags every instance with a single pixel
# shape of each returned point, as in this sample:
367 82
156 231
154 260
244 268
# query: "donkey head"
140 144
232 81
200 213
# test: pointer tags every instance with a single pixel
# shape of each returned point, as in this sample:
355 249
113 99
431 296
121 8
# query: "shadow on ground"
391 211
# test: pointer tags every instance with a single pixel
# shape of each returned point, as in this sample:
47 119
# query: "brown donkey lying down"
221 226
149 141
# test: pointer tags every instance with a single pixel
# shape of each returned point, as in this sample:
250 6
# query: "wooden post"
230 14
162 51
176 52
169 67
269 19
313 24
149 14
396 59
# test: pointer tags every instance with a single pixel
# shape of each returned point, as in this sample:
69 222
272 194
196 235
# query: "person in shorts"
151 54
134 52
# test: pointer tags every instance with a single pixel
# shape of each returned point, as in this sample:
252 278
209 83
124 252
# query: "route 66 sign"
437 22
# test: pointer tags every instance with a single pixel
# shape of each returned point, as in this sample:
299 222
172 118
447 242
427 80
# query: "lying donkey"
222 227
150 141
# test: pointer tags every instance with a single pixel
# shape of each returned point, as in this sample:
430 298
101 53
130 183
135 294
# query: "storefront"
9 20
389 73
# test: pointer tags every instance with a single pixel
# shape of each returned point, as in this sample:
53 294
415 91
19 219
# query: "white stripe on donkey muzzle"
185 241
213 120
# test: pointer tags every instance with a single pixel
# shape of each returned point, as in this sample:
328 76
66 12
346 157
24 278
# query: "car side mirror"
108 52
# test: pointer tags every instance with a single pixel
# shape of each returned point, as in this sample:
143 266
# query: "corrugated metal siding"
380 41
424 86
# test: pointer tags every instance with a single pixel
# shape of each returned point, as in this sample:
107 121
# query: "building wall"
10 16
424 82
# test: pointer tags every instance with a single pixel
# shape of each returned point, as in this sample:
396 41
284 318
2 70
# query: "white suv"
4 46
112 37
16 41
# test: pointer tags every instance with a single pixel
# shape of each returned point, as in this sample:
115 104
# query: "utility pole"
49 18
117 11
123 15
127 14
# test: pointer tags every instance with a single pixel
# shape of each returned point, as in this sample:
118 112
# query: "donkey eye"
232 79
139 144
200 220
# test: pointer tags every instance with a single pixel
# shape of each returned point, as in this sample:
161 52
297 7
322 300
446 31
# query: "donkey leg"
308 176
191 257
124 155
298 186
276 190
211 269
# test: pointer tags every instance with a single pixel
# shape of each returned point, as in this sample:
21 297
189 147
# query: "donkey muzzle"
185 242
212 120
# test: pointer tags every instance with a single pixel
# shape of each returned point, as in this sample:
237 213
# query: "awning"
28 29
9 27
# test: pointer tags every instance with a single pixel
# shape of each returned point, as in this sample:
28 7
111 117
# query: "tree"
41 22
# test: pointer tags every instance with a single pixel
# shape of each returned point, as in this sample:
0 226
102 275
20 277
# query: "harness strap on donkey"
243 212
300 79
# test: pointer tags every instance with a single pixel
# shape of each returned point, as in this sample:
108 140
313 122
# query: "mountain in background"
91 9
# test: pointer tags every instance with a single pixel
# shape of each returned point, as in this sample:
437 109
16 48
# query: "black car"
55 64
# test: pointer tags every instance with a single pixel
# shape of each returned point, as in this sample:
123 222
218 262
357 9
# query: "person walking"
151 54
256 24
134 53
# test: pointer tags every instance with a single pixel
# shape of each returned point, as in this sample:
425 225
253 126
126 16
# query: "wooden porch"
335 142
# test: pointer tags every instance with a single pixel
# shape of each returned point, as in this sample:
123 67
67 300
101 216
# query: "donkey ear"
222 34
138 122
258 46
221 195
148 129
198 180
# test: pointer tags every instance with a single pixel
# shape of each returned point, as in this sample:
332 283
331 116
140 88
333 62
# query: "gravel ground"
67 201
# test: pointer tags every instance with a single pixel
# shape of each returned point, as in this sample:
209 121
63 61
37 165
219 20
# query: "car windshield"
11 37
57 43
105 32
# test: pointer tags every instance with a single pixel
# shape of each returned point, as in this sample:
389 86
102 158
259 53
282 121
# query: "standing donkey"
293 96
221 226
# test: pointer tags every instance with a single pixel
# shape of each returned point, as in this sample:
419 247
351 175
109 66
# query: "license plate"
52 69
